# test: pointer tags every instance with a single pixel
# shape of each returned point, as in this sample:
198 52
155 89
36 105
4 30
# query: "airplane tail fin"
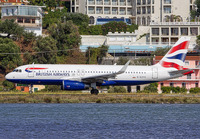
175 58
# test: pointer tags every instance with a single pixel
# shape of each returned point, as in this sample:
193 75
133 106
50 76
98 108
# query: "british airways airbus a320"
81 77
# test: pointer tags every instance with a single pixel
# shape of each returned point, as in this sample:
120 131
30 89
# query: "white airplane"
81 77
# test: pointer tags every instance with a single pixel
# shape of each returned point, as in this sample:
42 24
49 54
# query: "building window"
91 20
167 2
189 76
33 21
184 85
165 31
6 11
13 12
144 2
139 10
184 31
152 9
138 2
161 84
19 20
27 20
155 31
174 31
148 9
167 9
187 63
171 84
196 84
143 10
194 31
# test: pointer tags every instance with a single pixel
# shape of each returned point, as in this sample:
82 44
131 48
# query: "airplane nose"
8 76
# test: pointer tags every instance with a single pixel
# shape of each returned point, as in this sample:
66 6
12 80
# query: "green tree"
9 61
95 30
95 55
198 43
48 49
196 12
9 27
53 17
66 35
28 38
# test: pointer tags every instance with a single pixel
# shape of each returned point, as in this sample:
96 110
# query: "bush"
117 89
176 89
183 90
195 90
113 27
166 89
8 84
151 88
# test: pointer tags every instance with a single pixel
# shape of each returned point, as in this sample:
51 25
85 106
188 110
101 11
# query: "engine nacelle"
74 85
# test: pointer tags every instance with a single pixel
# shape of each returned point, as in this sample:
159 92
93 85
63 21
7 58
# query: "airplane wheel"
92 91
96 92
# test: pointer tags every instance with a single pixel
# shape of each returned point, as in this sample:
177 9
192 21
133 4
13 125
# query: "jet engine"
74 85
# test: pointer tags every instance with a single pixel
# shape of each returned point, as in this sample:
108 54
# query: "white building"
163 11
170 32
104 9
28 16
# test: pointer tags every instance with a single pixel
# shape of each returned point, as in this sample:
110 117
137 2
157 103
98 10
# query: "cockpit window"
17 70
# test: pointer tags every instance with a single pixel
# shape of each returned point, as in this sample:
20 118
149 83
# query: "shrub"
195 90
176 89
151 88
117 89
8 84
113 27
183 90
166 89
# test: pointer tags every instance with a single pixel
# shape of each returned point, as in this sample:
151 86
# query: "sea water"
99 121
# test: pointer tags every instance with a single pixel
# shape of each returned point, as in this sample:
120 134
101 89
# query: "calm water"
99 121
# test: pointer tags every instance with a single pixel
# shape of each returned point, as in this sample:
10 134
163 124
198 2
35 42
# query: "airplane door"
30 72
154 73
78 72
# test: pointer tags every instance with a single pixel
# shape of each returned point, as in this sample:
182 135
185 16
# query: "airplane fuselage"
55 74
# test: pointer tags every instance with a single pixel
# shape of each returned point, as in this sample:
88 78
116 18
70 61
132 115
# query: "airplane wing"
100 78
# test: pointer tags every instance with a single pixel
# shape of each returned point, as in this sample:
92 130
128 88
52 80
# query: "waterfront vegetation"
78 97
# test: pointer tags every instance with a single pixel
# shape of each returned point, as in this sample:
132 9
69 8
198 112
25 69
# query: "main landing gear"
94 91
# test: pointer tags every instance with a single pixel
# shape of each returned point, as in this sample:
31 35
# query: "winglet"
123 69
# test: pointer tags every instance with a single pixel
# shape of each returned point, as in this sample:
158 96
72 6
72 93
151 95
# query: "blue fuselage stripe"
60 82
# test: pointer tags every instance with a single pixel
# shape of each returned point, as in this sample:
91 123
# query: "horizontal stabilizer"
183 72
